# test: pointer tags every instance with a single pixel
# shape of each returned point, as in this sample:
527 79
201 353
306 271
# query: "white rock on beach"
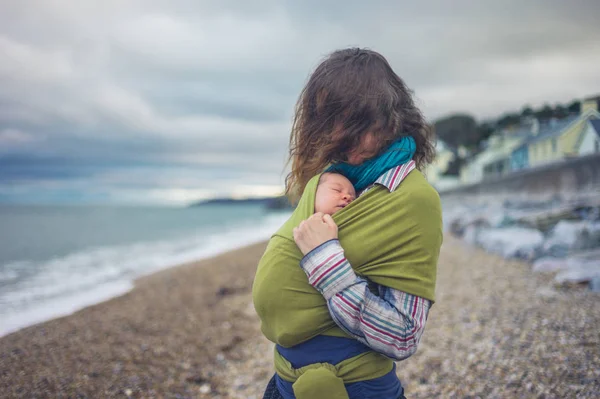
565 233
550 264
573 235
471 234
579 271
511 242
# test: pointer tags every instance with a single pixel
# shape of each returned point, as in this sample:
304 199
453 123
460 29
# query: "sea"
55 260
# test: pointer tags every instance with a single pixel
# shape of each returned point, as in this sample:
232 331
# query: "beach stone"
595 284
456 227
205 388
460 220
549 264
196 379
568 236
565 233
588 237
546 292
224 291
506 221
221 358
512 242
471 234
587 255
579 271
546 220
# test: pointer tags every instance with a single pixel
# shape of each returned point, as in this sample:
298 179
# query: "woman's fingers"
317 217
314 231
329 221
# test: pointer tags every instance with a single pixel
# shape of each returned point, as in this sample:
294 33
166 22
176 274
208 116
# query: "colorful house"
519 158
554 141
495 161
533 144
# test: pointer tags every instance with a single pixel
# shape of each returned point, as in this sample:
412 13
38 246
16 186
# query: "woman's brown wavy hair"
352 92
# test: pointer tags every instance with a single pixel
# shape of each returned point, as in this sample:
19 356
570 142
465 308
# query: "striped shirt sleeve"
390 322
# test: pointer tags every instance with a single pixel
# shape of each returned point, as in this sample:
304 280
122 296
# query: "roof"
520 131
553 129
500 153
548 131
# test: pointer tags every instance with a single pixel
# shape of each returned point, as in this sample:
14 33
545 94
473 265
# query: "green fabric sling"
393 239
324 380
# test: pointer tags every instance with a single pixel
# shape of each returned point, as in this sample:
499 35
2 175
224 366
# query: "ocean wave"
32 292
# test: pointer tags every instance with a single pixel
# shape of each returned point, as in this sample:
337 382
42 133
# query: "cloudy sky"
152 101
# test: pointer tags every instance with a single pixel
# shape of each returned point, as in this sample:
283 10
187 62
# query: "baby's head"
334 192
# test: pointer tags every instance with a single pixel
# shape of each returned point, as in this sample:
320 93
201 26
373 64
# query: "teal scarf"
365 174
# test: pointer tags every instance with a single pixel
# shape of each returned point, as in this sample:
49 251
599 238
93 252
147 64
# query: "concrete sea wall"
566 180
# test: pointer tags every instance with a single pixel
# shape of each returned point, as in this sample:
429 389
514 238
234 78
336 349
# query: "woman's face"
368 148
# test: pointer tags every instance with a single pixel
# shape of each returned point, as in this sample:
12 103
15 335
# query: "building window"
554 145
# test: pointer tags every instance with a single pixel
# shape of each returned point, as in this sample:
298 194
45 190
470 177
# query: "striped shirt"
388 321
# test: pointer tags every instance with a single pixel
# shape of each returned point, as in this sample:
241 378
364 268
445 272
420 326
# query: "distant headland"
273 203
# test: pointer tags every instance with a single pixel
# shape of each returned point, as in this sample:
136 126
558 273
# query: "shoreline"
497 330
44 313
158 338
63 306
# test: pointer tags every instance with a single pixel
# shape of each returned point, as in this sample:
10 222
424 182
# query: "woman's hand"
314 231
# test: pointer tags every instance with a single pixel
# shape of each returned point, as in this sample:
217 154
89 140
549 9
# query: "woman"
342 297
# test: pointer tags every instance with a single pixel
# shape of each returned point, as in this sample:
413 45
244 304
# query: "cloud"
11 138
175 99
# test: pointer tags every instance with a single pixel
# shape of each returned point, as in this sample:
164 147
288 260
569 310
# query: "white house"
495 160
589 142
435 171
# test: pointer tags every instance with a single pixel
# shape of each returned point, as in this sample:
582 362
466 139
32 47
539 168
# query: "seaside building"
532 144
590 139
436 170
495 161
555 140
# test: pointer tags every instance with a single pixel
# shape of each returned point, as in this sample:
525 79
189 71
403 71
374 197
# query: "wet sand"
496 331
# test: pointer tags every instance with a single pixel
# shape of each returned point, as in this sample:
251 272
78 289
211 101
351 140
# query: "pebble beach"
497 330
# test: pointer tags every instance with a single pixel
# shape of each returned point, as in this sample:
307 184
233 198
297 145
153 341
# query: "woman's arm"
391 323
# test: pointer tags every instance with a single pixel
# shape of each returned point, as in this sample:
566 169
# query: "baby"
334 192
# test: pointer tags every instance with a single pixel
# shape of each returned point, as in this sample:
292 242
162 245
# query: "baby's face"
333 193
